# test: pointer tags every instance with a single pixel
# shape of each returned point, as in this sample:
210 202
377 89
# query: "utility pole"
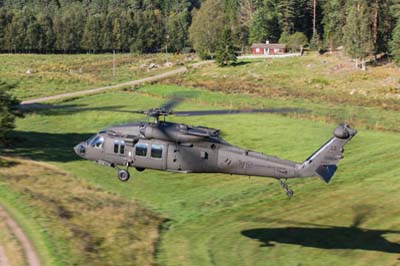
166 48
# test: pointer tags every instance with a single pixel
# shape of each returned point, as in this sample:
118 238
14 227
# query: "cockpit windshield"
96 142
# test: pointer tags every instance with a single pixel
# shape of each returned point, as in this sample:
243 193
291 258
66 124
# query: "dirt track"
3 258
121 85
32 258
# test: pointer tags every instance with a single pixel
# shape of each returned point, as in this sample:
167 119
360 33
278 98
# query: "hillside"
216 219
72 222
45 75
328 85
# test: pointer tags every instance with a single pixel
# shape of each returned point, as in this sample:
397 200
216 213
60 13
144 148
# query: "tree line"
362 27
62 26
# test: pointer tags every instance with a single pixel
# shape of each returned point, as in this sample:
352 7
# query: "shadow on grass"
241 63
334 237
47 146
7 163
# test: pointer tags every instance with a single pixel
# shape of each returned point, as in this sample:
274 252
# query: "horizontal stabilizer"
326 172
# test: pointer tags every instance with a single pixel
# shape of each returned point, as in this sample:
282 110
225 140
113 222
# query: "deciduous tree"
225 54
207 27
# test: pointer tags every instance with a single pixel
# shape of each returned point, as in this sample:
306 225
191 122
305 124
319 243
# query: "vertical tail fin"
323 161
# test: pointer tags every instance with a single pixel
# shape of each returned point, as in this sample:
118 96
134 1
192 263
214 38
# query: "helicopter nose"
80 149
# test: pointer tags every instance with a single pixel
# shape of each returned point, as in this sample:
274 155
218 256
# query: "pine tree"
177 27
14 34
33 37
107 32
357 32
92 37
48 37
72 29
8 111
5 19
333 22
287 12
395 41
395 44
225 54
264 25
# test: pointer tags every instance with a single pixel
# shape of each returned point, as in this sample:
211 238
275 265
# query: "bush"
297 41
8 111
294 42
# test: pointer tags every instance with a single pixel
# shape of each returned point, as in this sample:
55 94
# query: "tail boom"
323 162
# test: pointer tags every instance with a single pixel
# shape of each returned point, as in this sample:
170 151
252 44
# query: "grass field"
215 219
328 85
72 222
45 75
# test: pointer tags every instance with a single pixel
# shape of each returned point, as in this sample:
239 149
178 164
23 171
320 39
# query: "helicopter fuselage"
178 148
181 148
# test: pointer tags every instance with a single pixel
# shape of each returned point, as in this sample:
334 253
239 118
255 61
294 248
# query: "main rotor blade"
171 103
230 112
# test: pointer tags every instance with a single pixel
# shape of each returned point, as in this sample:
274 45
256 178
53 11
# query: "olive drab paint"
181 148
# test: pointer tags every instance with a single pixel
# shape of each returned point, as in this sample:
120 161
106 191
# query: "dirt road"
121 85
3 258
31 257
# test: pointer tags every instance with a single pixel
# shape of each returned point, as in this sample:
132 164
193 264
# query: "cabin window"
141 149
257 50
156 151
97 142
122 147
116 146
119 146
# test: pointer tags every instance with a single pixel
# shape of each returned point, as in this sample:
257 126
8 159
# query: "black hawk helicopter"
181 148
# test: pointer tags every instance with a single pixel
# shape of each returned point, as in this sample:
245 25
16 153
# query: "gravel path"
125 84
3 258
30 254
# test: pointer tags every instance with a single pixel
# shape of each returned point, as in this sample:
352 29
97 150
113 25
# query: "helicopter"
176 147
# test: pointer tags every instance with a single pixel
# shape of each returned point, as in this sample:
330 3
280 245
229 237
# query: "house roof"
268 45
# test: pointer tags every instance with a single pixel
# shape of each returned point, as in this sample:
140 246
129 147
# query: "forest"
362 27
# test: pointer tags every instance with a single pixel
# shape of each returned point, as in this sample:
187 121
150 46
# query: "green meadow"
44 75
215 219
212 219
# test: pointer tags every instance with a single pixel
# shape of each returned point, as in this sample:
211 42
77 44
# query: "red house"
268 48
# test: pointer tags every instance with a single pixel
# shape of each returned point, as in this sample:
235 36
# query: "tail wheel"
123 175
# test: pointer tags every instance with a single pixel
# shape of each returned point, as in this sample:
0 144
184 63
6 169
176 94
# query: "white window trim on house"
257 50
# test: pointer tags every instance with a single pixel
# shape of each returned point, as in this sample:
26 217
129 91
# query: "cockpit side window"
97 142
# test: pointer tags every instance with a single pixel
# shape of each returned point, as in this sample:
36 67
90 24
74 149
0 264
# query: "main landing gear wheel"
289 193
123 175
